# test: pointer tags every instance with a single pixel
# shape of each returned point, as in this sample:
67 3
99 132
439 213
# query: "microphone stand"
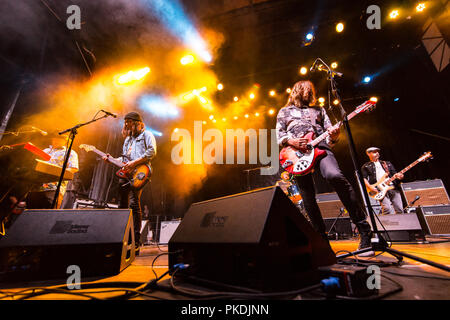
73 133
379 244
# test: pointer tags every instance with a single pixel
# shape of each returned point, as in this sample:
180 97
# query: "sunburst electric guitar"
385 183
302 161
137 178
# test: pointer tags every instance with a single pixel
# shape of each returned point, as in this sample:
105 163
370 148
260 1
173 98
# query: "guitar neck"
324 135
403 171
111 160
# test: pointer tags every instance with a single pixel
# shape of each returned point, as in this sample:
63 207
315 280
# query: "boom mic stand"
73 133
380 243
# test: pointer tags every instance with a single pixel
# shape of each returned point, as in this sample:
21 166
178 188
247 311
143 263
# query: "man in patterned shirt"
43 197
296 119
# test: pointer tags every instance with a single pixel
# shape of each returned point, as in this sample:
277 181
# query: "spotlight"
252 96
272 93
204 122
303 70
394 14
340 27
214 121
321 100
132 76
235 99
187 59
288 90
420 7
309 36
256 114
224 119
367 79
334 65
335 102
175 130
396 99
271 112
246 116
220 87
211 117
235 117
374 99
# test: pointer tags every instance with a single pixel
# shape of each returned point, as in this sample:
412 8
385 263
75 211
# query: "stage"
409 280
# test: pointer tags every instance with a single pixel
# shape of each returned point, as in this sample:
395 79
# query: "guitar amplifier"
431 192
329 204
435 220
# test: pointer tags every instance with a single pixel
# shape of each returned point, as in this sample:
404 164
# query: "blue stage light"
158 106
367 79
309 36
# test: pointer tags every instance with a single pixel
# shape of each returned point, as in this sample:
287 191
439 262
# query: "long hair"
302 93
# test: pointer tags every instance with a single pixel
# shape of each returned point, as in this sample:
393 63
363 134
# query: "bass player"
375 170
297 118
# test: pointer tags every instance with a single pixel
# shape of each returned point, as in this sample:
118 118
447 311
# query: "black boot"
366 234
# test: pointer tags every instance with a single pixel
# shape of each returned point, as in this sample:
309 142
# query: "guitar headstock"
368 105
87 147
426 156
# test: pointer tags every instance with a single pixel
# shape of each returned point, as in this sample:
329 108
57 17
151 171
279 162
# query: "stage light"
335 102
187 59
367 79
309 36
235 117
214 121
420 7
373 99
334 65
288 90
340 27
132 76
394 14
396 99
256 114
211 117
224 119
321 99
272 93
155 132
220 86
252 96
204 122
246 116
303 70
236 99
175 130
271 112
158 106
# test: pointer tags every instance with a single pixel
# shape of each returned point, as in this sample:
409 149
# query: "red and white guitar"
385 183
302 161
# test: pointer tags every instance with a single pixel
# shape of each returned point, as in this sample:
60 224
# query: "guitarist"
373 171
139 148
298 117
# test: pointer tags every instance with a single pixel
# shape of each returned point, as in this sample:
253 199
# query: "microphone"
44 133
109 113
415 199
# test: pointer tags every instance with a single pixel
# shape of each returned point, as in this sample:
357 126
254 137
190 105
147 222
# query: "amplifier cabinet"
435 220
329 204
431 192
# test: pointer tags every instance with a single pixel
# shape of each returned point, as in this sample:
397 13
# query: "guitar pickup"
309 147
287 163
299 154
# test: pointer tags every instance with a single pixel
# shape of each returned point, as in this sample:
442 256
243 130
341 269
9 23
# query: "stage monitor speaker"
435 220
247 240
342 228
431 192
42 244
404 227
167 230
329 204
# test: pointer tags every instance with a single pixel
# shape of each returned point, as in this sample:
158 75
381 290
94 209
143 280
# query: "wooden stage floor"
418 281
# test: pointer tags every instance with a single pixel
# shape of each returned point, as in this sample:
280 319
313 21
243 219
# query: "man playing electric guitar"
139 148
375 171
294 121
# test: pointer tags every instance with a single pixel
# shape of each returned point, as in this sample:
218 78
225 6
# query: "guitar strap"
385 167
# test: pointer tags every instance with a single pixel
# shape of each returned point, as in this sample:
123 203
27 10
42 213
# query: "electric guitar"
137 177
385 183
301 162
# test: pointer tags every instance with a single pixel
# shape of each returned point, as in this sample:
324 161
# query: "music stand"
379 244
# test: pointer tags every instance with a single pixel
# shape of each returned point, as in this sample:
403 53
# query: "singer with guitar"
299 118
139 148
374 171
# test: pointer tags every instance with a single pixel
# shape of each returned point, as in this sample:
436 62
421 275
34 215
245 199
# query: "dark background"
264 44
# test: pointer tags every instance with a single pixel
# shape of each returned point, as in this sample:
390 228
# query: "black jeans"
329 169
131 198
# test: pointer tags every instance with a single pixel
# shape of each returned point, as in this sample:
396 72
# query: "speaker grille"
329 204
431 192
438 223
